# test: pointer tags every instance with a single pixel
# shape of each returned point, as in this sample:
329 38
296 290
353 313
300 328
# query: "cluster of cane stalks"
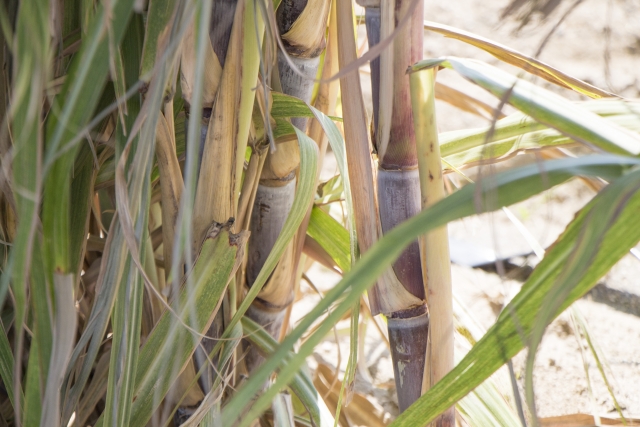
160 162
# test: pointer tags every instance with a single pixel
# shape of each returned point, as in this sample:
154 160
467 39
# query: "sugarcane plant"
401 194
161 201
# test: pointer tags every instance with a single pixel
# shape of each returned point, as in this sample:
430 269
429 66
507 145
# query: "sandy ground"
599 43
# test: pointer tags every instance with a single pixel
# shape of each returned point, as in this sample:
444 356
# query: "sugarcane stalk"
225 33
405 311
302 24
436 259
273 201
215 192
357 140
326 103
399 187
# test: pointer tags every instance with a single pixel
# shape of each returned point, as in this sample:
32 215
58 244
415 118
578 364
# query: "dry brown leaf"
465 102
305 35
212 66
360 412
520 60
580 420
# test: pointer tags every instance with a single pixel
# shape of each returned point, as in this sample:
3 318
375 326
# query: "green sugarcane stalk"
435 245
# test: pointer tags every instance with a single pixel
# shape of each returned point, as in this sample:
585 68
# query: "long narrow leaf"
302 385
542 105
331 236
505 339
170 344
513 57
510 186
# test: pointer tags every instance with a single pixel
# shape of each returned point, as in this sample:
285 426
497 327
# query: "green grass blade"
41 297
159 15
6 364
70 112
286 106
337 146
126 319
31 56
519 132
512 126
596 352
127 314
108 282
612 212
352 362
301 385
505 338
41 341
494 399
332 236
33 402
210 406
170 345
82 190
502 190
543 105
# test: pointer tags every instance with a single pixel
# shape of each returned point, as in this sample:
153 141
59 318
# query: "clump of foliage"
161 196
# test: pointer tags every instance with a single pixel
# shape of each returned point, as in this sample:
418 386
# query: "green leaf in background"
332 236
159 16
542 105
32 50
71 111
127 311
518 132
286 106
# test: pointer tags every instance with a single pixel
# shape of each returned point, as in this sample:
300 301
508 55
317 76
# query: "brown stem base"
408 336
